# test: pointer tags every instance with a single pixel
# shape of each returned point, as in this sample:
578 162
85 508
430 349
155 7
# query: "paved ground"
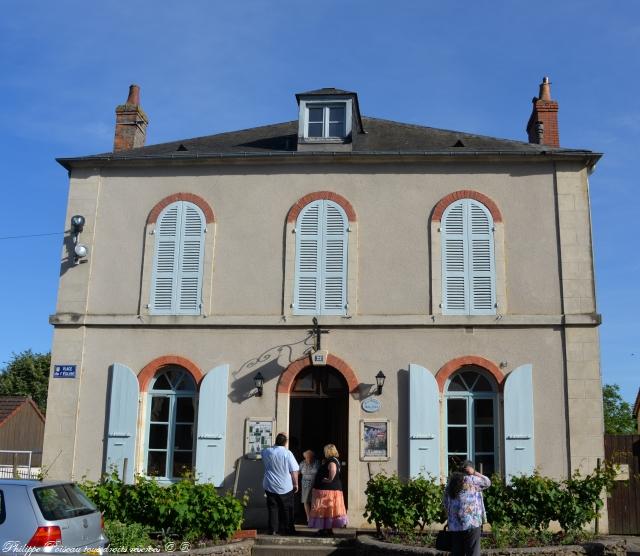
633 543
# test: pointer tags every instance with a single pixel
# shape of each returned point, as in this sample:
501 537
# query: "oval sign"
371 405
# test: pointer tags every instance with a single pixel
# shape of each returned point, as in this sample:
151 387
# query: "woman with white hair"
308 470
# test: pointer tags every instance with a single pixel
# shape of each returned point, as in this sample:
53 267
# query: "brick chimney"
131 123
542 127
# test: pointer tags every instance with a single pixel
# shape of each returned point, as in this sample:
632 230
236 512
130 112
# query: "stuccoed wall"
365 350
101 316
393 206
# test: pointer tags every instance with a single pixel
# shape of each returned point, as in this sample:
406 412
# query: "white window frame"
470 397
172 396
326 120
326 105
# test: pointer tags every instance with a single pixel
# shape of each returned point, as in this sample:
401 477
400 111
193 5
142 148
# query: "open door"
319 415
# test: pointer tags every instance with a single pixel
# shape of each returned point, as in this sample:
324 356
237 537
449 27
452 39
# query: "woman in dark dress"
327 501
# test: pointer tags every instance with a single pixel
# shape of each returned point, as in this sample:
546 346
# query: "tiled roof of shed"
10 404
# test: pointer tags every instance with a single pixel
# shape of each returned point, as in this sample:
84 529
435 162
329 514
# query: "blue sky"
208 66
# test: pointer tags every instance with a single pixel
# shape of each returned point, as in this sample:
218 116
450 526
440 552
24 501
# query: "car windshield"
62 502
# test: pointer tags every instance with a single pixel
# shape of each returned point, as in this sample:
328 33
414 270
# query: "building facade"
458 266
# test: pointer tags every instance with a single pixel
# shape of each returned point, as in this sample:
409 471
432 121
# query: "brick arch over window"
466 194
190 197
455 364
151 369
294 211
288 376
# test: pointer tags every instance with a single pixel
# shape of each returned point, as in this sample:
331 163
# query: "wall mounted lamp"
258 380
380 381
80 250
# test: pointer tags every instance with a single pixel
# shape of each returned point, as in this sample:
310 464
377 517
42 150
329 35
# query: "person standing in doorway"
465 509
280 483
327 501
308 469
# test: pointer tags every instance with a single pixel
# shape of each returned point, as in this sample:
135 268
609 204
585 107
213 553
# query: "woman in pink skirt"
327 501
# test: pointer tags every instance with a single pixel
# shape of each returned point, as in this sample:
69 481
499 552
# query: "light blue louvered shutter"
191 249
455 277
212 426
334 259
165 261
424 423
519 449
306 299
122 421
482 295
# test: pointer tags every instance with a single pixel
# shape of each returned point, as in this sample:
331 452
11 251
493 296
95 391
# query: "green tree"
27 374
618 415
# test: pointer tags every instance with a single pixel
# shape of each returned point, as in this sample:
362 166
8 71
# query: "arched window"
321 260
171 417
468 259
472 411
177 264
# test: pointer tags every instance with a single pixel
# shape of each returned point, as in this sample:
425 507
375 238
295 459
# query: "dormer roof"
325 91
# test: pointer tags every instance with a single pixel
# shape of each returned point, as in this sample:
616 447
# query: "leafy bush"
517 511
386 504
533 501
127 535
581 500
184 509
425 495
530 501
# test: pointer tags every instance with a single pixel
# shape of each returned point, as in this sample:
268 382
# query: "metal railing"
20 466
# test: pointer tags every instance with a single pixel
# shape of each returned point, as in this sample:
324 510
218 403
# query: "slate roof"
326 91
380 137
9 405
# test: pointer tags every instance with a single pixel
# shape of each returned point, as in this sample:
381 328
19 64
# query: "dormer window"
326 120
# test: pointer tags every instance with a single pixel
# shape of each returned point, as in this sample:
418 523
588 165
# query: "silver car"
47 515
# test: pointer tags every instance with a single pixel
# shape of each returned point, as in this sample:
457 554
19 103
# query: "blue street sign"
64 371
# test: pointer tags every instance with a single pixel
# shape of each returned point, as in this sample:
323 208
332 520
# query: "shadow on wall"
248 480
105 432
403 422
69 261
270 363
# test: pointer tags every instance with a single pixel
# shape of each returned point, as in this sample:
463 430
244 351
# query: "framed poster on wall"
258 435
375 440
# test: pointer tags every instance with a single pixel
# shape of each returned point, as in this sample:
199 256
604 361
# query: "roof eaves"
592 157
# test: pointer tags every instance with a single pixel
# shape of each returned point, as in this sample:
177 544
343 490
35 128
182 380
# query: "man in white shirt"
280 483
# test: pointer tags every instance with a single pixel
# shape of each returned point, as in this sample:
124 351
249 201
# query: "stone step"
342 544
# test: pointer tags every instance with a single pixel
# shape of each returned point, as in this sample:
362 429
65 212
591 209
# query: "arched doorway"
319 414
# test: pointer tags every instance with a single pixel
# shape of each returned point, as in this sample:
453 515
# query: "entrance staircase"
304 544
